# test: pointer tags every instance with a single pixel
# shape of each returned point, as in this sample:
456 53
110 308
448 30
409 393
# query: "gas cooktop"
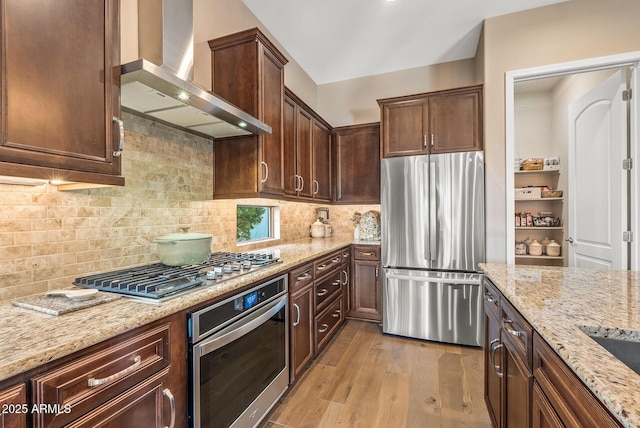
157 282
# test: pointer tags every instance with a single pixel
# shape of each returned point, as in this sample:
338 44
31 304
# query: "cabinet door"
289 149
455 121
404 128
301 343
148 404
366 301
60 90
356 156
271 144
517 390
321 162
13 401
304 155
493 368
543 414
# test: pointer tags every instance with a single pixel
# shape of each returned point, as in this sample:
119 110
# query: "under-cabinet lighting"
242 124
21 181
183 95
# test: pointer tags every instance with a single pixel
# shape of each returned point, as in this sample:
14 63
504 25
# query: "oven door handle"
242 327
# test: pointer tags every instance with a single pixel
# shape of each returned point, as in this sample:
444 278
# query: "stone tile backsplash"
49 237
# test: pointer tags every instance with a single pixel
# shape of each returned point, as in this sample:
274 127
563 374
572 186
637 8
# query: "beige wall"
354 101
577 29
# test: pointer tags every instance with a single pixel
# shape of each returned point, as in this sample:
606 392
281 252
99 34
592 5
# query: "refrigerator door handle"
433 210
427 189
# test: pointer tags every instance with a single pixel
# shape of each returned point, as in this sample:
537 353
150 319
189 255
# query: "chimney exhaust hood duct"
160 85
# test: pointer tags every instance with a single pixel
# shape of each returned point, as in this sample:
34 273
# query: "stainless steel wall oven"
239 357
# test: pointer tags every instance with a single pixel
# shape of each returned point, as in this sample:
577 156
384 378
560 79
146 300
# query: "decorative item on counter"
532 164
535 248
370 226
356 222
545 241
316 230
521 248
553 248
551 164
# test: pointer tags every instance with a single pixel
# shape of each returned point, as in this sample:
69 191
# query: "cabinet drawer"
300 277
491 297
346 255
574 404
327 264
327 288
327 323
366 252
518 332
92 380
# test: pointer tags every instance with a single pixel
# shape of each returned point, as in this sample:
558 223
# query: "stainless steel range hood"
160 84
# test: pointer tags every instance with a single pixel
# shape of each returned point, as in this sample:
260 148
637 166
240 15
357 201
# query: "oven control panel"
214 318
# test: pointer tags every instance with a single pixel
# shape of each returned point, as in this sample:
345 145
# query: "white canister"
328 231
535 248
316 230
553 248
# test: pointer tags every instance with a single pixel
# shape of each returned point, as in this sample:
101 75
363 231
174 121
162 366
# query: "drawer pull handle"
297 321
336 283
336 314
345 255
95 382
368 253
322 292
172 404
489 298
511 331
322 266
492 356
336 260
266 172
346 277
323 328
303 276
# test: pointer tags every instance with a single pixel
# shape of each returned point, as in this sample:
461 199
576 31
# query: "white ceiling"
334 40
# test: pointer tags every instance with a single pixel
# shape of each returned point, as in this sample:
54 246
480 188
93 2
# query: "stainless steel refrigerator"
433 230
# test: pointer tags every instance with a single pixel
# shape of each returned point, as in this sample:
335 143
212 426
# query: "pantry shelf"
540 171
539 257
539 199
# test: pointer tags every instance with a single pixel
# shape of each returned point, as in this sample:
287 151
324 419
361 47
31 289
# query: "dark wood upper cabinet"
436 122
307 152
60 90
356 160
248 71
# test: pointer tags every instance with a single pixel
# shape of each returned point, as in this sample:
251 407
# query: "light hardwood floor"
367 379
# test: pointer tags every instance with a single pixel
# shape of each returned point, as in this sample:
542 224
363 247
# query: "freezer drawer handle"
494 346
428 279
511 331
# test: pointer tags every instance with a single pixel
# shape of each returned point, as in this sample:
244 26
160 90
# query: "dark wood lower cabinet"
366 288
526 382
13 401
301 342
517 389
543 415
148 404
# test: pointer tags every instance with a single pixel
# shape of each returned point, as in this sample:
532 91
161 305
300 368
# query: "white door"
597 183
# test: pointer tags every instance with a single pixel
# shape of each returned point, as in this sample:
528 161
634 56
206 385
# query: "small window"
256 223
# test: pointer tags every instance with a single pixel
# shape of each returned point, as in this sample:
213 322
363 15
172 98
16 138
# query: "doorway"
595 69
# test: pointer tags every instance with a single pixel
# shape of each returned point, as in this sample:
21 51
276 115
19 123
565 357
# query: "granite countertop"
558 301
29 339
